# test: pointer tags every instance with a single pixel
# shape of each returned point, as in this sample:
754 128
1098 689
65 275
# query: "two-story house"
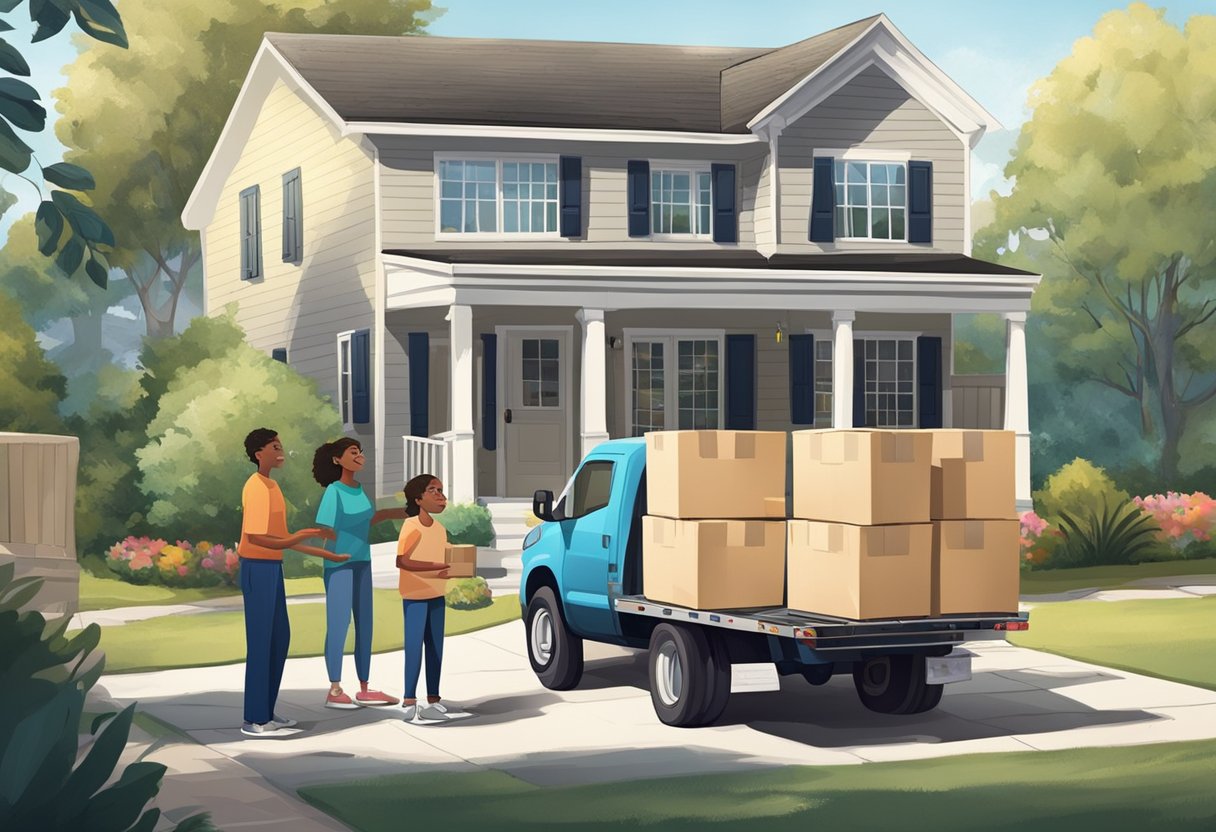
495 254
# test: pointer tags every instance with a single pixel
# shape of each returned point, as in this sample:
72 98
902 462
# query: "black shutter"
419 346
279 354
740 382
929 381
802 379
859 384
638 176
361 377
489 392
823 200
725 220
920 202
571 210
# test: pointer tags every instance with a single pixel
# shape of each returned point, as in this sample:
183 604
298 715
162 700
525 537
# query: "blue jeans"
423 630
267 636
348 589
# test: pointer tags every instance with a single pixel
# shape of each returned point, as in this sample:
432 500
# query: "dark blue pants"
267 636
348 589
423 631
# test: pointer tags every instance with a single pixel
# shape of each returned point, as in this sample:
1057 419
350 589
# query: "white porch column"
842 369
462 486
593 395
1017 407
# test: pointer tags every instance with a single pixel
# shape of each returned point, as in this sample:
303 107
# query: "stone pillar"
1017 407
462 487
842 369
593 387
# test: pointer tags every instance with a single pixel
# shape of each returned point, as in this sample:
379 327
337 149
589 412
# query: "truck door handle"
506 416
607 539
611 568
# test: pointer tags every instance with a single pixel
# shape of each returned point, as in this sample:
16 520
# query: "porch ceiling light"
780 332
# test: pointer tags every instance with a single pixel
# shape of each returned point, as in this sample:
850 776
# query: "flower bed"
1038 540
143 560
1185 519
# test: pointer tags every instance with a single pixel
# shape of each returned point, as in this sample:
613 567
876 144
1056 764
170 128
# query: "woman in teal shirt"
347 510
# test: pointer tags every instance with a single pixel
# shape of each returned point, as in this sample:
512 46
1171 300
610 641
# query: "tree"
1117 168
148 118
65 224
32 385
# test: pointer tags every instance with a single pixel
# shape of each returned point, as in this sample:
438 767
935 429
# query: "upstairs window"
680 201
498 196
871 200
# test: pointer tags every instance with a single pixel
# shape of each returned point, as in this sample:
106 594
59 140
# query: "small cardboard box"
860 572
975 566
973 475
711 474
461 560
713 564
862 477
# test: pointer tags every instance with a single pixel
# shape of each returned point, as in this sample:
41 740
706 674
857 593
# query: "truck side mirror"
542 505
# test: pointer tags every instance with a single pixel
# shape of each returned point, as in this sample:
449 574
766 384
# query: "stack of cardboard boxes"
886 524
714 534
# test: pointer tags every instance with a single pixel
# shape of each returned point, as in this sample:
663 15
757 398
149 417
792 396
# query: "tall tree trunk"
1164 337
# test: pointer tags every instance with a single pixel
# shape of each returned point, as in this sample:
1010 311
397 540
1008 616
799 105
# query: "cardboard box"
860 572
973 475
713 564
711 474
461 559
975 566
863 477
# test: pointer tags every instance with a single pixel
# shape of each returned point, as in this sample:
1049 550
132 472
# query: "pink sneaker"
340 701
374 698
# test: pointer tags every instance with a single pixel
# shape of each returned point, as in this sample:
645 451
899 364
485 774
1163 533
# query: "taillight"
1012 625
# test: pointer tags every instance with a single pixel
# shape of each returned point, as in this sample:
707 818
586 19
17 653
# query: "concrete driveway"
606 730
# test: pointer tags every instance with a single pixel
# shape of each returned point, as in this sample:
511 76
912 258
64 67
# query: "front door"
536 423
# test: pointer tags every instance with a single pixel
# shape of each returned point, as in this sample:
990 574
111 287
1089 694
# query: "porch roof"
870 262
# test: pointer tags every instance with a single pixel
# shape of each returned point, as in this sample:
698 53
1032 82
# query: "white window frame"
861 154
498 159
877 335
344 385
671 389
693 169
821 336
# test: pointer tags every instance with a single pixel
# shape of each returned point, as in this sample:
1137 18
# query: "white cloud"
122 312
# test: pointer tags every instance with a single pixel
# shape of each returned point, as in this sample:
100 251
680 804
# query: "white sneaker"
267 731
451 710
425 715
284 721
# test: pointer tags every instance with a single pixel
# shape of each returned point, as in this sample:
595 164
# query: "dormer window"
871 200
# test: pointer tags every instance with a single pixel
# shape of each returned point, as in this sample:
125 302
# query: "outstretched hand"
338 558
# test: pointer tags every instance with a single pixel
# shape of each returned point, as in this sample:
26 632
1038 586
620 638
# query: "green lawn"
1048 581
1111 789
109 593
1170 638
219 638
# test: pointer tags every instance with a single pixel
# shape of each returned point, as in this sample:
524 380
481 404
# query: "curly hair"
324 469
414 489
258 439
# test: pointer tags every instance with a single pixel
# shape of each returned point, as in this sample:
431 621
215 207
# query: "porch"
499 378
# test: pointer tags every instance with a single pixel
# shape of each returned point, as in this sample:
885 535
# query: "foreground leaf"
14 153
48 222
70 257
97 272
67 175
100 19
10 59
83 219
50 18
19 104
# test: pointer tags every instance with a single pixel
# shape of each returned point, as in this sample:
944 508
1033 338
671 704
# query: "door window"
589 491
541 371
677 376
890 383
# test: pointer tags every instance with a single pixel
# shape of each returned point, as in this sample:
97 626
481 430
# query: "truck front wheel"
892 684
555 653
679 669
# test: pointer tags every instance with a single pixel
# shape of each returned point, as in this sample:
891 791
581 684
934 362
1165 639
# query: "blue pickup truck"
582 580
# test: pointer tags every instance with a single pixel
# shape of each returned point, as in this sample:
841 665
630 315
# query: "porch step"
509 517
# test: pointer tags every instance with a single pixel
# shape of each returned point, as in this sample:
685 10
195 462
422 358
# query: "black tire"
931 698
817 674
717 678
561 666
892 684
679 674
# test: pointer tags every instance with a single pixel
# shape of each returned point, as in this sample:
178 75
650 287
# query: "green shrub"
1113 535
1078 489
45 782
469 594
32 385
468 524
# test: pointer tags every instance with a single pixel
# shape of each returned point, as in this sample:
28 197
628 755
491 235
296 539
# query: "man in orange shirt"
264 536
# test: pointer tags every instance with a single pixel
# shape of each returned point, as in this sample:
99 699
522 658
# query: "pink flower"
140 562
208 563
183 571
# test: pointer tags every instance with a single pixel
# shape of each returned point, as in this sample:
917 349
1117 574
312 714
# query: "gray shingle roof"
538 83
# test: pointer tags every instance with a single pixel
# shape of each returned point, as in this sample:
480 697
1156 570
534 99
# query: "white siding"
871 111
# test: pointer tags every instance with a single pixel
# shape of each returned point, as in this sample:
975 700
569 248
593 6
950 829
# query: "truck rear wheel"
556 654
679 674
892 684
931 699
717 678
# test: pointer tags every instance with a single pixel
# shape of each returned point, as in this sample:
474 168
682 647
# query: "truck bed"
822 632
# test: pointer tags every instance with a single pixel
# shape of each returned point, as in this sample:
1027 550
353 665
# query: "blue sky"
994 50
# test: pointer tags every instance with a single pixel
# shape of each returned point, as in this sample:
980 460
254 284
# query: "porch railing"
429 455
978 401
